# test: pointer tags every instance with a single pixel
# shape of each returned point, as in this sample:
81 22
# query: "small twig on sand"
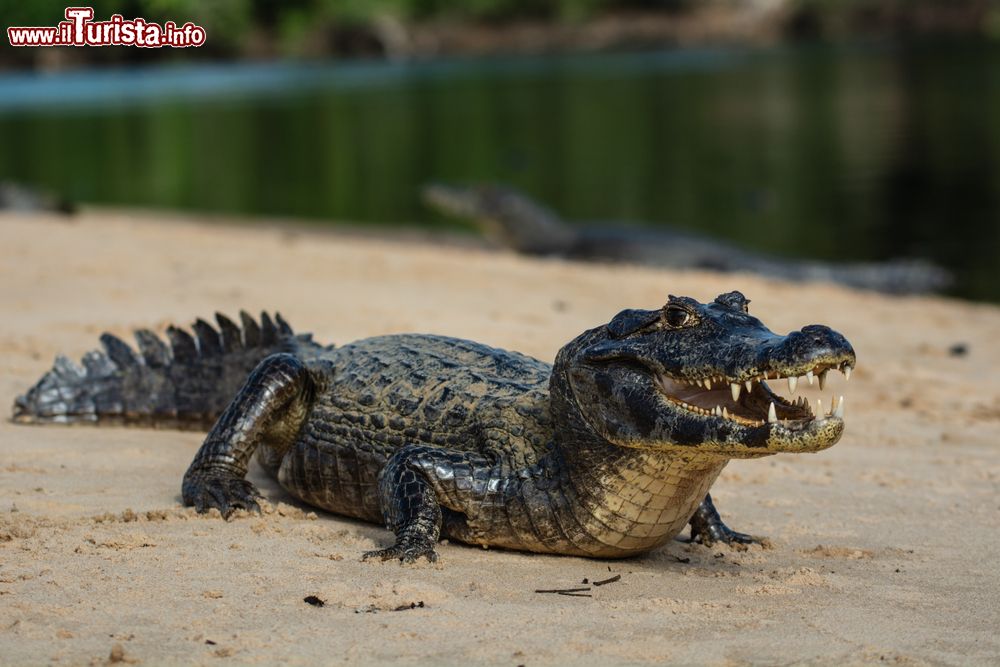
563 591
609 580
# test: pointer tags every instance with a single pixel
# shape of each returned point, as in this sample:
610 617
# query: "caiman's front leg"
413 487
270 408
707 527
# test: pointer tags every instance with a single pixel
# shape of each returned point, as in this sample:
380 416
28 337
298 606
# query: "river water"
842 153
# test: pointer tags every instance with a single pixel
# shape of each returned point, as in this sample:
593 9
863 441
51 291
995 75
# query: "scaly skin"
606 453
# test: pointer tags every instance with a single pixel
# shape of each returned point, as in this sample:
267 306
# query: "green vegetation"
268 11
238 27
323 27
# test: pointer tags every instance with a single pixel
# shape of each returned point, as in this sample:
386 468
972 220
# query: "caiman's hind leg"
414 486
707 527
269 409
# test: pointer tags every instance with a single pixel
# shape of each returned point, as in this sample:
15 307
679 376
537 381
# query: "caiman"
517 222
608 452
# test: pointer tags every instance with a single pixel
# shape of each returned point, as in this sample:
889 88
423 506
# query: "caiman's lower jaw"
751 402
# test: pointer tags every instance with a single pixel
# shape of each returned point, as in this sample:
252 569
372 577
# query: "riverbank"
882 546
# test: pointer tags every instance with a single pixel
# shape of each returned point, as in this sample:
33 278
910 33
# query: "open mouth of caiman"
750 401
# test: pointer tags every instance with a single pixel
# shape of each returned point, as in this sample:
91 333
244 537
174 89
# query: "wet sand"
884 547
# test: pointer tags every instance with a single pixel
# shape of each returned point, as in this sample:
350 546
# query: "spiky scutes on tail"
185 384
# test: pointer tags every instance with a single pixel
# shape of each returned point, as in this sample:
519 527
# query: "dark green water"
849 154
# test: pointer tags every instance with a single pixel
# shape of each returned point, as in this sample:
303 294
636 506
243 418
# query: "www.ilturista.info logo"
79 29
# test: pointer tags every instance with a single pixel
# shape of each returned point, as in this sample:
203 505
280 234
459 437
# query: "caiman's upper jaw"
750 401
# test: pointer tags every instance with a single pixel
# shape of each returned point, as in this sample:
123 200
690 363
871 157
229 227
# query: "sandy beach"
884 548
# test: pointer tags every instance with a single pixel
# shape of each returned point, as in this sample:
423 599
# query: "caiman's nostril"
817 333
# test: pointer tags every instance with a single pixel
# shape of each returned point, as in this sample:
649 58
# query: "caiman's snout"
815 348
819 335
822 340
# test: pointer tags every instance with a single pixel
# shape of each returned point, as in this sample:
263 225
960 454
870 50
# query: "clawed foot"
720 532
708 528
406 550
225 493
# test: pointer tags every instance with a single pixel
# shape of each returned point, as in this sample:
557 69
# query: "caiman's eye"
677 317
746 307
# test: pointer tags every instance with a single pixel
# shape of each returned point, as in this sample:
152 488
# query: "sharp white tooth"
847 373
819 408
810 377
718 411
772 416
792 383
822 380
749 385
735 387
725 413
833 404
708 383
839 410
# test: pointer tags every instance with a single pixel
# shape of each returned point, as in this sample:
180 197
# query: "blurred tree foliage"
232 23
236 26
237 15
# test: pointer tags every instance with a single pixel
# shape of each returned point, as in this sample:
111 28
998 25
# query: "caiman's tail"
506 215
186 384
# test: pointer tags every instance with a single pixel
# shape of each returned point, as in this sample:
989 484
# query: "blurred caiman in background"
521 224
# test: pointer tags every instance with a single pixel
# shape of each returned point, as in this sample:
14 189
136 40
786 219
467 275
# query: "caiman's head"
692 376
505 215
